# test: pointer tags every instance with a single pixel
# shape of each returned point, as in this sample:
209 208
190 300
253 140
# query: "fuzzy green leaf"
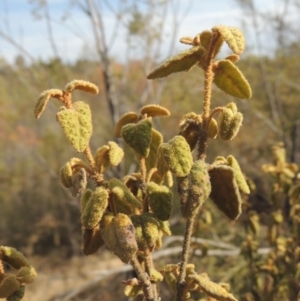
94 208
184 61
115 154
119 236
213 129
176 155
101 157
76 124
194 189
26 274
229 124
230 80
84 199
205 37
8 286
233 37
44 99
160 200
147 230
13 257
138 136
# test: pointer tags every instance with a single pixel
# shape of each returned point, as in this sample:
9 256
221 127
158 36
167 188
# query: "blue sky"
74 37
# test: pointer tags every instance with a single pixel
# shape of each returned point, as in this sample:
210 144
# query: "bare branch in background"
49 29
102 49
11 41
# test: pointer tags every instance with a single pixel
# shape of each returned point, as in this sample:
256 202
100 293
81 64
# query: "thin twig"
184 257
144 278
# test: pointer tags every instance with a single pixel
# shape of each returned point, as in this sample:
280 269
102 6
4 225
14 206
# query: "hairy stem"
202 146
213 112
144 279
184 257
149 266
112 205
208 79
143 171
89 156
66 99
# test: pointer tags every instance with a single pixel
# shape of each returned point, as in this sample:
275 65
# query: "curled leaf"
83 85
229 124
232 106
156 141
230 80
65 175
233 58
108 155
233 37
84 199
79 182
133 290
211 288
92 240
184 61
13 257
101 157
186 40
240 179
154 111
26 274
205 38
127 118
43 100
213 129
69 170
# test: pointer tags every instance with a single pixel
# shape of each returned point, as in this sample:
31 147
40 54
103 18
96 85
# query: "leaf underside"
183 61
230 80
